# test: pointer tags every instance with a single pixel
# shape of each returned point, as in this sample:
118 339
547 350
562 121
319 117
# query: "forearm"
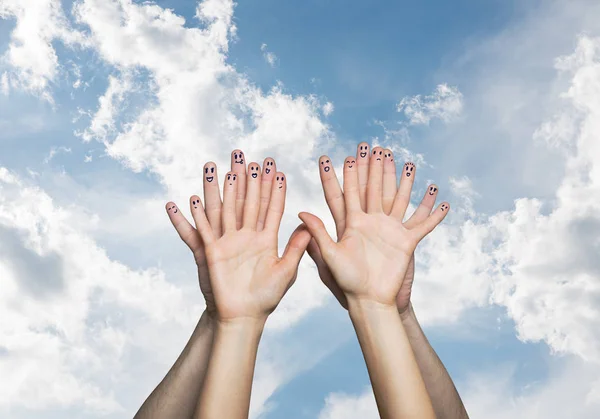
178 392
444 396
395 377
228 383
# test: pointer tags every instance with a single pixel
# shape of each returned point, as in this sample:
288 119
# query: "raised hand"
248 278
374 248
335 200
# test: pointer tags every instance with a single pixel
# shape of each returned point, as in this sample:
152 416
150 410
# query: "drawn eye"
282 178
212 170
228 177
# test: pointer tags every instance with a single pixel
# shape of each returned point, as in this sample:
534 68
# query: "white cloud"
344 406
54 151
328 108
550 277
446 103
103 122
67 309
30 52
567 393
4 84
269 56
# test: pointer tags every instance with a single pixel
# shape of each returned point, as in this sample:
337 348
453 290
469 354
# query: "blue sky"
109 108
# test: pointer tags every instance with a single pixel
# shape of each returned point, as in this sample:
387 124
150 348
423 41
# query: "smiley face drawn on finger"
280 180
209 173
409 168
432 189
269 166
388 155
238 156
174 207
444 207
254 169
350 163
325 164
378 153
195 203
363 150
231 177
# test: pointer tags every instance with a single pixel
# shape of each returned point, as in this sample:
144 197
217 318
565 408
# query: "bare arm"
395 377
446 400
176 395
231 369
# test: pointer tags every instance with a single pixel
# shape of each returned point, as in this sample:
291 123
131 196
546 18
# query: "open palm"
375 249
247 277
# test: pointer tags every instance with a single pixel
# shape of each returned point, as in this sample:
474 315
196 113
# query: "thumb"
295 248
317 229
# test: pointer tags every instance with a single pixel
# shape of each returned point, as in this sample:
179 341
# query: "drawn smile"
209 178
240 162
363 154
254 175
407 174
267 171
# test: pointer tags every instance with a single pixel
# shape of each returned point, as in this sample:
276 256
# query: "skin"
445 398
248 281
177 394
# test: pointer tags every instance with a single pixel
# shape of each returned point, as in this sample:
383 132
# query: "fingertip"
350 163
362 151
195 201
409 170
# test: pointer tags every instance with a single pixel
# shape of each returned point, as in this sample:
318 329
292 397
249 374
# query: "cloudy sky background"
109 108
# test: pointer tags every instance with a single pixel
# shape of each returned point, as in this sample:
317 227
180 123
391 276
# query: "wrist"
241 323
359 307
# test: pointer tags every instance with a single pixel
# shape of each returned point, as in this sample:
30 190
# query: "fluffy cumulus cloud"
445 103
31 55
67 309
549 271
